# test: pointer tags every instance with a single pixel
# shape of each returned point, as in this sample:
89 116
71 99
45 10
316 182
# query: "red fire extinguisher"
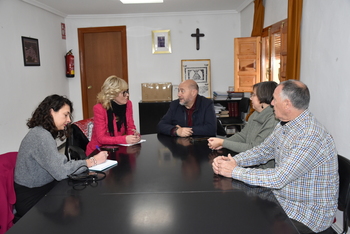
69 64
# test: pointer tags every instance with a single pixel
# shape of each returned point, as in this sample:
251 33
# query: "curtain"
258 22
295 8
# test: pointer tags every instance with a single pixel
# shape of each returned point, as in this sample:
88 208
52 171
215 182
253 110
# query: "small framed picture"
31 54
175 91
161 43
199 71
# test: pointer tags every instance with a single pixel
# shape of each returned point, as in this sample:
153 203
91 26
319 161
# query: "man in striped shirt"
305 179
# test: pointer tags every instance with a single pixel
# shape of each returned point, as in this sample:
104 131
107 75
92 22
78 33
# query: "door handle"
89 87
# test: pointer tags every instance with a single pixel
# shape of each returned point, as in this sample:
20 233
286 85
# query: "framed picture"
175 92
199 71
161 43
31 54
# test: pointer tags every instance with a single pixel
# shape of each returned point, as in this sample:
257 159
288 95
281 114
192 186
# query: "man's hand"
224 165
183 131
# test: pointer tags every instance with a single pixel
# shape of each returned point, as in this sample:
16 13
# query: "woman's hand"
99 158
132 139
215 143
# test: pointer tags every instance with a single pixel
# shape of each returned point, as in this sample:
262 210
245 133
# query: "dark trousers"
303 229
26 197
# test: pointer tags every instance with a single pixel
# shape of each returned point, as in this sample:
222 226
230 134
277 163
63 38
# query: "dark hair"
297 92
42 115
264 91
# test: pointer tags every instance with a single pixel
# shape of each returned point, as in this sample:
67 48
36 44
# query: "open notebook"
103 166
142 140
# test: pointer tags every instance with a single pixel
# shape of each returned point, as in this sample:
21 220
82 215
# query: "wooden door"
103 52
246 63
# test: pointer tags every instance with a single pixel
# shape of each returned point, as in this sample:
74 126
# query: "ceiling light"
140 1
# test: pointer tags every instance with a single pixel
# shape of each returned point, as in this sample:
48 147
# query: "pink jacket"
100 134
7 190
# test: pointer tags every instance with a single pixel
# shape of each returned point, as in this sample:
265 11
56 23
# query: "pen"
98 148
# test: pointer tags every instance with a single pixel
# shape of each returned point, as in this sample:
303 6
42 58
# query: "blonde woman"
113 117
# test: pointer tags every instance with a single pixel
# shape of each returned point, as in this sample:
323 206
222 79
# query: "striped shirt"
305 180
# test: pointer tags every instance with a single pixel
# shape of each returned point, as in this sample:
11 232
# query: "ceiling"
92 7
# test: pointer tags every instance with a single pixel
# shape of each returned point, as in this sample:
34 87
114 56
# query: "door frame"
83 80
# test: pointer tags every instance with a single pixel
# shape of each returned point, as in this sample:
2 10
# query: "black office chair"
79 138
220 129
344 190
243 107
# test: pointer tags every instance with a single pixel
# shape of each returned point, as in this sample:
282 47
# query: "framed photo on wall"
199 71
161 43
31 54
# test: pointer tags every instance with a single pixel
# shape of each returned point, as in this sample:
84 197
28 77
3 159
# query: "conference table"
163 185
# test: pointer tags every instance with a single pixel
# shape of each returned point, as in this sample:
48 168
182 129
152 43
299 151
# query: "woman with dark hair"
260 123
39 165
113 117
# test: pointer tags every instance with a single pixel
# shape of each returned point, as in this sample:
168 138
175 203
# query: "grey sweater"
39 162
259 126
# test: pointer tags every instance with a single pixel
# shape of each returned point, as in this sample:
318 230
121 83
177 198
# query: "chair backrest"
79 138
220 130
244 106
344 190
7 190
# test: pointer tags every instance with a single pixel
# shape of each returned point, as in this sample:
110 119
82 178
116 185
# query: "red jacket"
7 190
100 135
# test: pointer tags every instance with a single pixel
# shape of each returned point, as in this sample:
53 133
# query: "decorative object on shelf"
197 35
161 43
31 54
199 71
227 95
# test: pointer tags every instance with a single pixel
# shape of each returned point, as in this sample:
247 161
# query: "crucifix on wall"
197 35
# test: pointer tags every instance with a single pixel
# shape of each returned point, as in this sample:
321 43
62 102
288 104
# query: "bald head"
188 91
190 84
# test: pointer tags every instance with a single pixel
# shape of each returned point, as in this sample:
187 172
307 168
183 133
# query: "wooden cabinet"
149 114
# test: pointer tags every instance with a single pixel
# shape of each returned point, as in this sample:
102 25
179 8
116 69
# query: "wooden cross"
197 35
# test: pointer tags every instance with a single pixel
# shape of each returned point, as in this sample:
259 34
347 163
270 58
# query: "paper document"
103 166
142 140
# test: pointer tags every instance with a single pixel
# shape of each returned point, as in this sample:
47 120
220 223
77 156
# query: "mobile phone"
109 148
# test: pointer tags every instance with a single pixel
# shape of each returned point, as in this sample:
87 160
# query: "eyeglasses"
125 93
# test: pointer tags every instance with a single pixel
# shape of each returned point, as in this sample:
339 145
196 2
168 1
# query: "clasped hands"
183 131
215 143
224 165
132 139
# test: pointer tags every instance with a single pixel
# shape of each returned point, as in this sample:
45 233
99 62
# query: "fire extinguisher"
69 64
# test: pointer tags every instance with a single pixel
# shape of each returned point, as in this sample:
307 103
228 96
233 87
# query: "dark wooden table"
165 185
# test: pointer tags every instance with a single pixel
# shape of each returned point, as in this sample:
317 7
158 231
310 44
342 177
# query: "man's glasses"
125 93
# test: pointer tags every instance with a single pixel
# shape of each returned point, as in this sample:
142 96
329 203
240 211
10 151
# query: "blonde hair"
110 89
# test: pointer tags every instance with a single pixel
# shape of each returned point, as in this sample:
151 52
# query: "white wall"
275 11
219 28
247 18
325 60
22 88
